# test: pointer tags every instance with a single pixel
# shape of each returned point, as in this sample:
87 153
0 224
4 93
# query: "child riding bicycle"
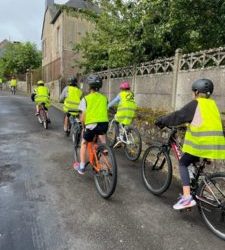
13 83
126 105
204 136
41 95
70 96
94 117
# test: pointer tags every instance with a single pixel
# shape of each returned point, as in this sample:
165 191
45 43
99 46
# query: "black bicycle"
207 189
76 131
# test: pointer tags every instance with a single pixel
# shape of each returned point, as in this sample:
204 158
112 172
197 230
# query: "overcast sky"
21 20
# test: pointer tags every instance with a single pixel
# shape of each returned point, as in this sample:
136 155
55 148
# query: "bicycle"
42 117
128 136
102 161
207 189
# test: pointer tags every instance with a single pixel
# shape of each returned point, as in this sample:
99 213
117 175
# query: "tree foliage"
18 57
130 32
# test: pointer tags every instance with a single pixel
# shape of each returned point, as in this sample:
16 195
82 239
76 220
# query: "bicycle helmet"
124 85
40 82
72 81
94 81
203 86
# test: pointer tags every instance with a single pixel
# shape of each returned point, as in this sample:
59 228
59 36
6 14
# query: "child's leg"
185 161
102 138
186 199
83 153
37 108
66 122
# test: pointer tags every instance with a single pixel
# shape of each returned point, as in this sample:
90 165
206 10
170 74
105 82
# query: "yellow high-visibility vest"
72 100
96 108
127 108
207 139
42 95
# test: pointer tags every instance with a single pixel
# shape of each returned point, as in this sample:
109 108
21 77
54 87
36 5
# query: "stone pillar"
176 68
28 80
134 79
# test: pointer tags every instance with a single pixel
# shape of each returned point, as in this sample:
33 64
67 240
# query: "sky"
21 20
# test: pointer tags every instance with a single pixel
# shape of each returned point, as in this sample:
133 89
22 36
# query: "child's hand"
159 123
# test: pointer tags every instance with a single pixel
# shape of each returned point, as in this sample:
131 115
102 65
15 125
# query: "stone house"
60 31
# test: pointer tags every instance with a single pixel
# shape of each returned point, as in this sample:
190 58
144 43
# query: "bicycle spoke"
212 203
133 144
106 177
156 170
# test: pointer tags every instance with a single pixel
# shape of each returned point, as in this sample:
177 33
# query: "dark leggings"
184 162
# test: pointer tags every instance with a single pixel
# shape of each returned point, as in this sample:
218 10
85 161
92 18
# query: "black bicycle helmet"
72 81
203 86
94 81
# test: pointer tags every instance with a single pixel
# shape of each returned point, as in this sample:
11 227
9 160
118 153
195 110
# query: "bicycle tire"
106 178
44 118
128 151
76 137
111 133
156 182
67 132
217 227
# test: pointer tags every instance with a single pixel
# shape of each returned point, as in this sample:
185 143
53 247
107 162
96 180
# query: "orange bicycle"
103 163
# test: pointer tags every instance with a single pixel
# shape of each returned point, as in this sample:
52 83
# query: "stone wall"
166 84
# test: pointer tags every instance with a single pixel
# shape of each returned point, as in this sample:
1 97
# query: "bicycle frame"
122 133
93 158
176 147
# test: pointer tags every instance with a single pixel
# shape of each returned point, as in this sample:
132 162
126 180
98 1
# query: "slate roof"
76 4
82 4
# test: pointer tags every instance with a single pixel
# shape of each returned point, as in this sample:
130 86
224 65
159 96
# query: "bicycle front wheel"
112 133
211 203
133 144
106 177
156 169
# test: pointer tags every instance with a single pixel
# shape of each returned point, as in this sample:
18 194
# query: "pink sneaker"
76 165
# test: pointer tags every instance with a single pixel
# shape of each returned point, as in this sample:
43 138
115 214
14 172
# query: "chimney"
48 2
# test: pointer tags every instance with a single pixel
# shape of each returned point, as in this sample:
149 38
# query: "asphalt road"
44 204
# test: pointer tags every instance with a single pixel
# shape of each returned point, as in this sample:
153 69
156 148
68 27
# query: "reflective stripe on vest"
96 108
126 109
72 100
207 139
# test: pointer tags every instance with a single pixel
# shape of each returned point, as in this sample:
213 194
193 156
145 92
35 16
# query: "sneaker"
184 203
76 166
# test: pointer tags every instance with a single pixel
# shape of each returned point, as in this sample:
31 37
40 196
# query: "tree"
18 57
130 32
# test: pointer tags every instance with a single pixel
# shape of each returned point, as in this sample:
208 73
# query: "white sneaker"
184 203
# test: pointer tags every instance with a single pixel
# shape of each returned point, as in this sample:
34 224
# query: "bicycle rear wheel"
43 117
156 169
106 178
211 203
76 138
133 144
111 133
